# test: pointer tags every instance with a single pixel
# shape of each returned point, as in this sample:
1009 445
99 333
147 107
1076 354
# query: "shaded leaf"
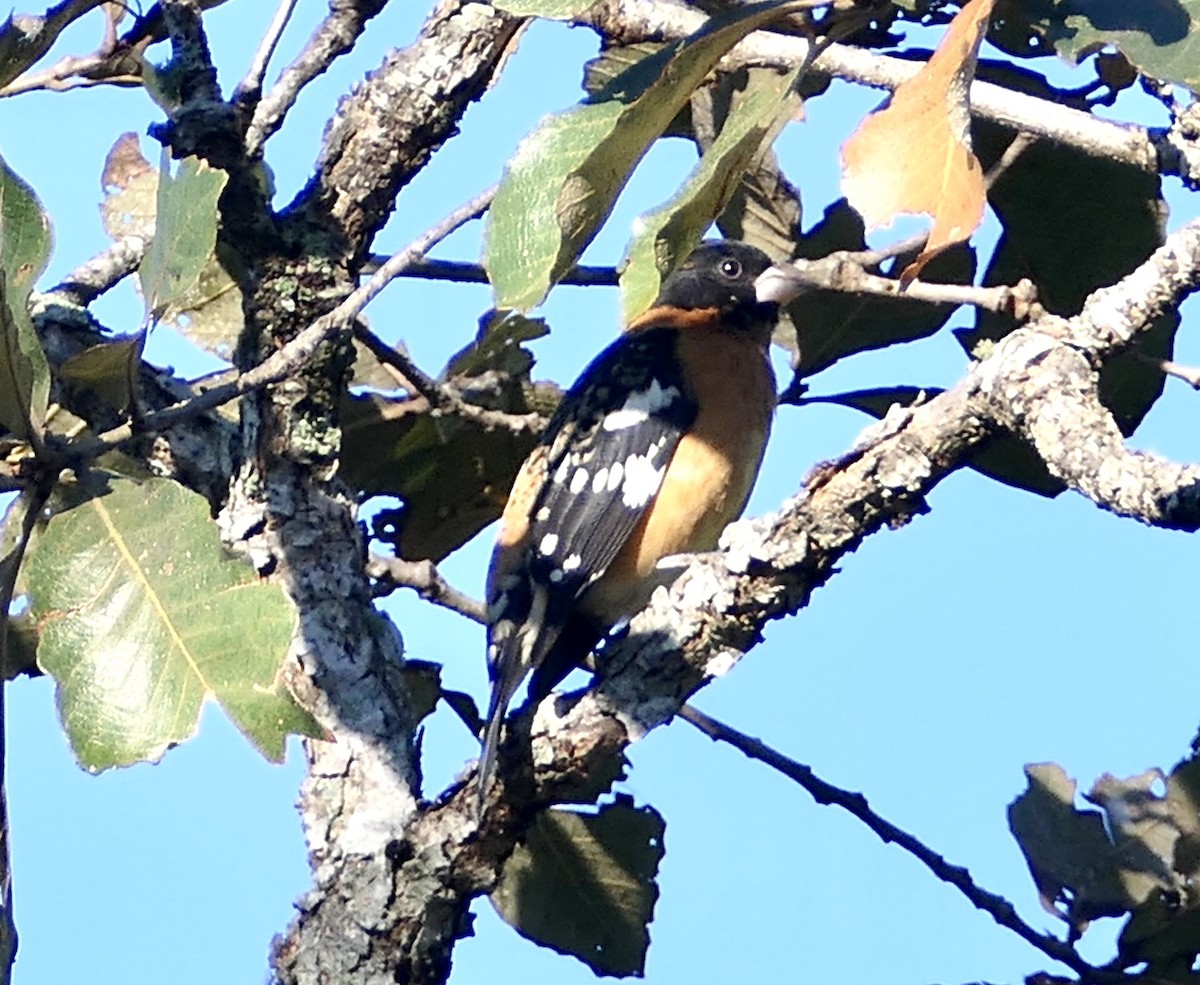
107 369
664 237
1004 457
25 242
21 655
1067 850
185 232
423 680
142 617
1158 36
497 346
915 155
584 884
1165 930
826 326
764 209
1047 202
453 474
564 178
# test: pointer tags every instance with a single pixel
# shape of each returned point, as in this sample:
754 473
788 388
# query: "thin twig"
9 565
443 397
249 90
289 359
424 578
335 36
1189 374
997 907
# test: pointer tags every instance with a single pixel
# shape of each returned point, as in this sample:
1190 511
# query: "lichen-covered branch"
716 610
385 131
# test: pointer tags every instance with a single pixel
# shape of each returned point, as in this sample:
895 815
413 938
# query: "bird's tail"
502 693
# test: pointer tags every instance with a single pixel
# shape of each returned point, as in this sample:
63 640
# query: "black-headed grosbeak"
652 452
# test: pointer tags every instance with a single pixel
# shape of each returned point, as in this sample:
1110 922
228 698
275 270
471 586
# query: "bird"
651 453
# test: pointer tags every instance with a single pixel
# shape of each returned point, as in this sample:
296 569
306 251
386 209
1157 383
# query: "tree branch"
334 36
385 131
632 21
424 578
249 89
717 609
826 794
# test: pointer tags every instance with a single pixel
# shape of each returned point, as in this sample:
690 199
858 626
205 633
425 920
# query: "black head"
720 273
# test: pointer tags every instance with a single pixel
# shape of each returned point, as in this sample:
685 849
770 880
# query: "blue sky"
999 629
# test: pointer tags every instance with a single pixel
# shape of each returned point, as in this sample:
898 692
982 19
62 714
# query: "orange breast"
709 478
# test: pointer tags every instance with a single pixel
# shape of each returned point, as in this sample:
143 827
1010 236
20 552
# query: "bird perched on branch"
651 453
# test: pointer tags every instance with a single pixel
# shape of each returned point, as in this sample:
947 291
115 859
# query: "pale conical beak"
779 283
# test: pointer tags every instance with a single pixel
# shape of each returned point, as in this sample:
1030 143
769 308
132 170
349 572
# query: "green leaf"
665 236
142 617
826 326
185 233
25 242
584 884
562 182
1158 36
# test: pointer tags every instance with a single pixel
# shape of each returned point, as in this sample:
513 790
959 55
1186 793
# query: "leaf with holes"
142 617
562 182
1158 36
584 884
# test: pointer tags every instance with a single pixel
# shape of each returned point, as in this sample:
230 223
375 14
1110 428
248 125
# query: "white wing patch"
642 479
639 405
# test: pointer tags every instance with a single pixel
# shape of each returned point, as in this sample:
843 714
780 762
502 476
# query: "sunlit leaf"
142 618
914 156
564 178
185 232
25 242
664 237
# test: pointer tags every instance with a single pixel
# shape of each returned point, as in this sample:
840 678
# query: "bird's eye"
731 268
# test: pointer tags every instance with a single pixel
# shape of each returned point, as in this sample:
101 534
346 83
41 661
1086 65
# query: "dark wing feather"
583 511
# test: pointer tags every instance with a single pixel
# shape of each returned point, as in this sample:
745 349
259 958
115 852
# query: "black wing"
594 474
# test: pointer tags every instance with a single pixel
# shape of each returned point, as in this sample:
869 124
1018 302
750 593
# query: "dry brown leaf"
130 184
914 155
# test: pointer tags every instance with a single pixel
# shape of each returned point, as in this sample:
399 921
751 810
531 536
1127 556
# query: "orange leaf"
914 155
